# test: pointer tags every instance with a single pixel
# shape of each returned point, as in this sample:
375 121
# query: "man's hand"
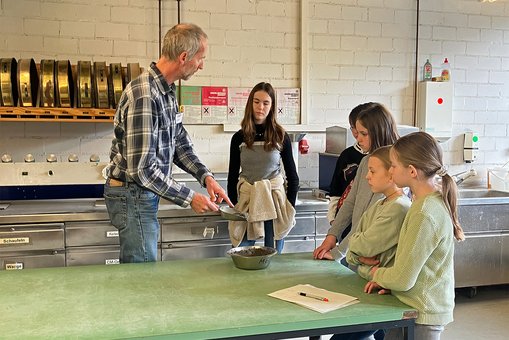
202 203
216 192
326 246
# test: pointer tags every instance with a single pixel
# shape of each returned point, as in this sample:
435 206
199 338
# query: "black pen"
321 298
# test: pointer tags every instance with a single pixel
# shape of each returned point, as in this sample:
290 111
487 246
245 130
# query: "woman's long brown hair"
274 133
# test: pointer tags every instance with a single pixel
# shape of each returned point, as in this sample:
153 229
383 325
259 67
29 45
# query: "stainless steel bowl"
231 214
251 257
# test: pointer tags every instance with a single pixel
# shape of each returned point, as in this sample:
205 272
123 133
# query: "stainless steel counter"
46 211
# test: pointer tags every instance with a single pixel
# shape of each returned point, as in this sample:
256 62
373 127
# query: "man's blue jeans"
268 240
133 211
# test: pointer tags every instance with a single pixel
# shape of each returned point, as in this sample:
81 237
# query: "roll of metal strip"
101 84
85 96
116 83
47 86
133 71
8 88
65 86
28 82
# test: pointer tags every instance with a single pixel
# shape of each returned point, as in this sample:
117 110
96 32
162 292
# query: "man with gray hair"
148 138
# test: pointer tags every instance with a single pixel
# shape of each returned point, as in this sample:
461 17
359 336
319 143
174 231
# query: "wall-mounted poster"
288 105
190 104
214 104
237 99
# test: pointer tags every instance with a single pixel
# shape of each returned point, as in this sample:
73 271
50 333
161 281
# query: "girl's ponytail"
450 197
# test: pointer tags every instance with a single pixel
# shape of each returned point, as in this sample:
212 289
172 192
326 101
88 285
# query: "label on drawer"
14 266
112 233
14 240
112 261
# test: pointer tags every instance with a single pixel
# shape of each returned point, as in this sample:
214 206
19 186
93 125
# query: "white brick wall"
358 51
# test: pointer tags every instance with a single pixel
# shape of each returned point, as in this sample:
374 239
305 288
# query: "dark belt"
113 182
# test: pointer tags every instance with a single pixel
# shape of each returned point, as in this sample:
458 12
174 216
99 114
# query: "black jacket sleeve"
234 166
292 177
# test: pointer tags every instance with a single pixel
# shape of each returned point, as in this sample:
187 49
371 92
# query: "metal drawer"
32 259
195 250
194 228
322 224
304 224
482 259
90 233
299 244
80 256
31 237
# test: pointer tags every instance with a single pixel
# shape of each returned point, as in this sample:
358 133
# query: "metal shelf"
54 114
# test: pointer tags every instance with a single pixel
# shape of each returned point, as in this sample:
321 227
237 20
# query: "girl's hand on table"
326 246
371 286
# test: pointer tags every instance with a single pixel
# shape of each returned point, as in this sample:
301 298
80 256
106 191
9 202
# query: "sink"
482 194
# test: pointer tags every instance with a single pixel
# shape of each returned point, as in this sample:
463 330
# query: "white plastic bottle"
446 70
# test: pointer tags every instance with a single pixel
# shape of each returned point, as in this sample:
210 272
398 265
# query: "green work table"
187 299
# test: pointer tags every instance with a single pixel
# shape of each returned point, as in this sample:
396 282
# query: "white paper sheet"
336 300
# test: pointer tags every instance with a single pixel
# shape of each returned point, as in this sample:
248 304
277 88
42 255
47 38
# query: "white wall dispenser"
434 109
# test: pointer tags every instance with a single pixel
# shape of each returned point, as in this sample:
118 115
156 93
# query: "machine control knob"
94 158
73 158
6 158
29 158
52 158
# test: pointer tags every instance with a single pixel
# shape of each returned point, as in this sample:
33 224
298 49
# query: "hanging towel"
261 201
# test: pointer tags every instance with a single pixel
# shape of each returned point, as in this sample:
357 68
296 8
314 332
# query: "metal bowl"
251 257
231 214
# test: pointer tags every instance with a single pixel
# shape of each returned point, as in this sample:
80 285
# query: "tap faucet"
462 176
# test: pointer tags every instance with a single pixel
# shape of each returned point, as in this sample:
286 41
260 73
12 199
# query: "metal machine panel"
31 237
90 233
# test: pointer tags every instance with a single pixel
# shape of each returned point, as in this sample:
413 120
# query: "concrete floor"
484 316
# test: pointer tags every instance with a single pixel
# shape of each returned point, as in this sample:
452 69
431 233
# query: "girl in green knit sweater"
376 238
423 274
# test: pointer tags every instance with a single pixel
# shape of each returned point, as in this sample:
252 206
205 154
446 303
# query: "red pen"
321 298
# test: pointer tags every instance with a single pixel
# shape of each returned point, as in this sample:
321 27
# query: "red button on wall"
440 101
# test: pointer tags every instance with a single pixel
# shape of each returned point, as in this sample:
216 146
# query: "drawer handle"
209 232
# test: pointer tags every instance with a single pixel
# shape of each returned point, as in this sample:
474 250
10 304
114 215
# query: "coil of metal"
8 90
116 83
101 84
65 84
28 82
47 85
133 71
85 96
